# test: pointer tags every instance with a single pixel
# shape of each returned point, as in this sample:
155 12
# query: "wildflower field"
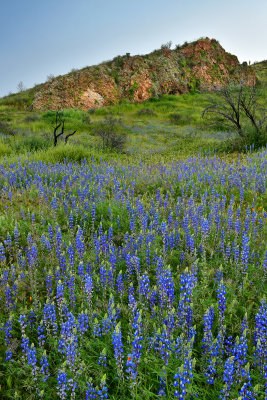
134 280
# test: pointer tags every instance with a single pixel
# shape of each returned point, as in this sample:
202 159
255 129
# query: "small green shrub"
62 152
5 150
179 119
91 111
251 139
32 118
110 130
31 144
86 119
146 111
6 129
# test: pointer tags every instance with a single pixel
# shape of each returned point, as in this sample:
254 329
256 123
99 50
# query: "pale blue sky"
38 38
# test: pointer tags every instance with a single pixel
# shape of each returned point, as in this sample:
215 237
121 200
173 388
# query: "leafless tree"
234 106
252 109
20 86
60 123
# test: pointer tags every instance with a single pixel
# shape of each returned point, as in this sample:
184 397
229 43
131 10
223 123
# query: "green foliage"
6 129
146 112
133 89
31 143
62 152
179 119
155 129
250 140
5 150
110 130
32 117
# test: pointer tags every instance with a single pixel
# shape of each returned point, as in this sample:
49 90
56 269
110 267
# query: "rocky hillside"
202 65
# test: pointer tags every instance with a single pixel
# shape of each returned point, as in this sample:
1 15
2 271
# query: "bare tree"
68 136
253 110
60 123
20 86
234 106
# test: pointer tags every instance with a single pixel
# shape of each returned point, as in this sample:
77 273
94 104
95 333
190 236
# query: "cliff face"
203 64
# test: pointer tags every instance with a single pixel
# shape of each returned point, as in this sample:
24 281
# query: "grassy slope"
261 72
148 132
169 127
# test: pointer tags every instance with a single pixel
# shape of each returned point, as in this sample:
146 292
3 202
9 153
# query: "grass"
168 127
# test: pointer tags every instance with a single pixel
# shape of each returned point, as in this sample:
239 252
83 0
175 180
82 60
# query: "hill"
202 65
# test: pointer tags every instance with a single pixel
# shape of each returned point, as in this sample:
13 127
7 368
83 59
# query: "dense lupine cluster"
139 281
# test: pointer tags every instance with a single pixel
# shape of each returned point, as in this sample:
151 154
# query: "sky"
40 38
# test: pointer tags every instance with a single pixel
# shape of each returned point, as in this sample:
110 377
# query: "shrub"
178 119
111 134
32 118
166 46
86 119
251 139
146 111
69 152
6 129
31 144
4 150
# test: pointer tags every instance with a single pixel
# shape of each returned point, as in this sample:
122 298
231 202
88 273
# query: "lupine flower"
90 392
144 285
132 372
79 242
8 336
120 284
228 377
183 377
265 266
88 288
221 292
261 341
208 337
44 367
83 322
184 313
162 387
103 390
164 345
50 318
41 335
32 360
245 254
118 349
2 254
62 384
103 358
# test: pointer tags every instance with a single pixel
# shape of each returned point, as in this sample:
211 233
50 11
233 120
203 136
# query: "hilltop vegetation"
260 69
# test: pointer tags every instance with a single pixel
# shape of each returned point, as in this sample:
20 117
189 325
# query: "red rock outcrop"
202 64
